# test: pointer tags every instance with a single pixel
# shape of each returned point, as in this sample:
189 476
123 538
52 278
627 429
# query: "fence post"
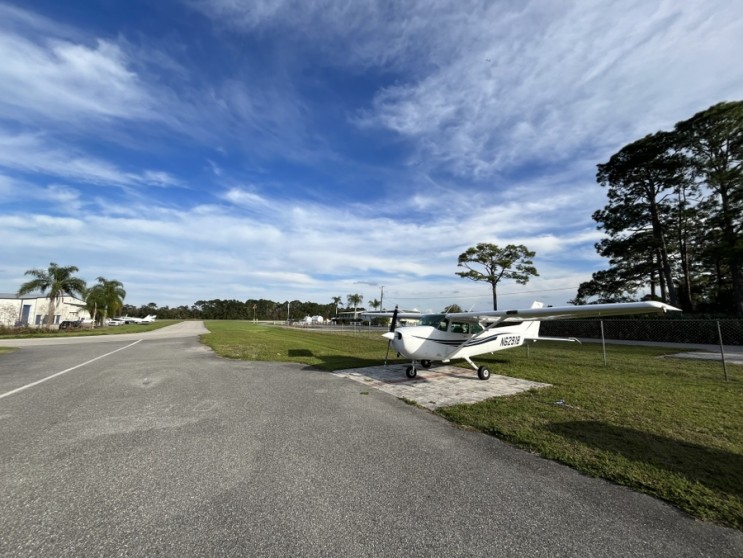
603 342
722 351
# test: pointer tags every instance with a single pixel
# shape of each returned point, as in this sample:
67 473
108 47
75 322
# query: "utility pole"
381 298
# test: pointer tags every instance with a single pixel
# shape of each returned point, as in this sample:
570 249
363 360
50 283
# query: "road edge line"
37 382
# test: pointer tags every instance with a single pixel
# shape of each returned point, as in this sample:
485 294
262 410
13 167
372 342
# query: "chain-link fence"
695 332
724 336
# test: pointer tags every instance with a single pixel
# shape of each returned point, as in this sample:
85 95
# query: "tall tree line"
219 309
674 217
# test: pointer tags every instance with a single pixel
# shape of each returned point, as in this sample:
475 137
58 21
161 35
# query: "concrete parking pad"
437 387
732 357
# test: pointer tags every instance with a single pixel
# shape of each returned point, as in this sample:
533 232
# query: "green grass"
108 330
326 351
668 427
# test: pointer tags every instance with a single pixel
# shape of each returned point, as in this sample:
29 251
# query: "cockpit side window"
460 327
440 322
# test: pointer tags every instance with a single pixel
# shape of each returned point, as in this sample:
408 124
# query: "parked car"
69 324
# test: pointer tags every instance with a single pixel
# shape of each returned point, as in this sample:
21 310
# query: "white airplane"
145 320
448 336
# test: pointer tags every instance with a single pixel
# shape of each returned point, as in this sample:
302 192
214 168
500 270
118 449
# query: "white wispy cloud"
231 252
63 81
547 82
497 113
38 153
245 198
481 88
395 36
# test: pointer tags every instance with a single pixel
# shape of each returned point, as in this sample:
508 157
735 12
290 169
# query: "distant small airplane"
312 320
131 320
453 335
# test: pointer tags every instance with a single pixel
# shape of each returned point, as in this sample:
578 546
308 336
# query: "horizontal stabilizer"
566 339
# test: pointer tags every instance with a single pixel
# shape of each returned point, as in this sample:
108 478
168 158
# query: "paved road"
161 448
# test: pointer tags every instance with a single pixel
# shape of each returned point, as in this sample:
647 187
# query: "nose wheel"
411 372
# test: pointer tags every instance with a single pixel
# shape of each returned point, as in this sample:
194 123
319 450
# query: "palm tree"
109 295
336 301
59 281
375 304
354 299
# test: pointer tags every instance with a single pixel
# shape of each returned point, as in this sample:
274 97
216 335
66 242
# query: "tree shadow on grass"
296 353
715 468
332 363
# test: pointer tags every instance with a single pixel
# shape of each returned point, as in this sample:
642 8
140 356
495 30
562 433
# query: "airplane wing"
565 312
403 315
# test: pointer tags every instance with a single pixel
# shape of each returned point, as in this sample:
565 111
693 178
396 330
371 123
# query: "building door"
25 314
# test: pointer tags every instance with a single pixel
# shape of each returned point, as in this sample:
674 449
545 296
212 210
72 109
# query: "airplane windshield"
435 320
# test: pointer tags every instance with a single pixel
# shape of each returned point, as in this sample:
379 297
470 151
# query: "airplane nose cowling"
392 335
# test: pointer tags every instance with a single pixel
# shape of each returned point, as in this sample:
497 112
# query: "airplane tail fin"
531 328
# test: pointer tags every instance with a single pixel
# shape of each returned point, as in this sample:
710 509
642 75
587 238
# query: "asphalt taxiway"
156 446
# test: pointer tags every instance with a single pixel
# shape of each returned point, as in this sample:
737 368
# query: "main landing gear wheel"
483 373
411 372
426 363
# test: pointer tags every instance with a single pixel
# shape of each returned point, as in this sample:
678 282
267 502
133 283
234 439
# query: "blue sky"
292 149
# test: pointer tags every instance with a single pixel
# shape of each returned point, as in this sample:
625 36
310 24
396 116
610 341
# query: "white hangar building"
32 309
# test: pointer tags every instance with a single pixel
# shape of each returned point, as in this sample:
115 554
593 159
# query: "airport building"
33 310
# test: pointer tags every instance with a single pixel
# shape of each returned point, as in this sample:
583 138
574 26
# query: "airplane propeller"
393 324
